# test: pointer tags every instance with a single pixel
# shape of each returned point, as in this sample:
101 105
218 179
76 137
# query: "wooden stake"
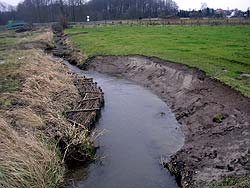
89 99
98 92
83 110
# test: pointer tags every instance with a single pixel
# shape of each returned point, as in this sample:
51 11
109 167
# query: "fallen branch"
78 124
97 92
88 79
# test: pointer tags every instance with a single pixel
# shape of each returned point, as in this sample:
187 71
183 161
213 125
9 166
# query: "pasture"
223 52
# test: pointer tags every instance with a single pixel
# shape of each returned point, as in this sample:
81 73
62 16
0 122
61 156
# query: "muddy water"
140 131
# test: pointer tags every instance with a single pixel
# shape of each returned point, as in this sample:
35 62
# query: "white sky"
193 4
224 4
11 2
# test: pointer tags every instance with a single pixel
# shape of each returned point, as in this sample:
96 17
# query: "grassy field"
222 52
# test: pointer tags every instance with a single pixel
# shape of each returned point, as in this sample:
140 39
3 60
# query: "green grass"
9 39
232 183
9 78
222 52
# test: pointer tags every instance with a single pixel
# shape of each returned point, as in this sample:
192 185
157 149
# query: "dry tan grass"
36 111
27 118
26 162
45 36
47 88
40 35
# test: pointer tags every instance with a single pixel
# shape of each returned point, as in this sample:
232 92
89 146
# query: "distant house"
220 12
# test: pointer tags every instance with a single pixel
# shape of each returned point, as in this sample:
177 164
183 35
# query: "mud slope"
214 117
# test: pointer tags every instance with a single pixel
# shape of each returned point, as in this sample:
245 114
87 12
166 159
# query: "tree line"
212 13
207 12
76 10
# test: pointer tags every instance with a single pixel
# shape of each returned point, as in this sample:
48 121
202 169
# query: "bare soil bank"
215 118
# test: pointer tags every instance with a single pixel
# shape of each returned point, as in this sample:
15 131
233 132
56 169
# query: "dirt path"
215 118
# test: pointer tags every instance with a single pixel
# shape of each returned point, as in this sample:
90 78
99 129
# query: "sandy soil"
214 117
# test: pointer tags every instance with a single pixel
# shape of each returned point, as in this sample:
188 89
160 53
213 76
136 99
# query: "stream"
140 131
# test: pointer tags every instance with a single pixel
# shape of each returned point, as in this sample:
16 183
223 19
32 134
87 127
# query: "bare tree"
77 10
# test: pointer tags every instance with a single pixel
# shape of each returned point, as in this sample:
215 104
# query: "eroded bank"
214 117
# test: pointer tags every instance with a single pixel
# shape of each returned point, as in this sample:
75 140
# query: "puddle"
141 130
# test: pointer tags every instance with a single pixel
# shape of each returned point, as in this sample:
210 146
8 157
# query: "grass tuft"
218 118
27 162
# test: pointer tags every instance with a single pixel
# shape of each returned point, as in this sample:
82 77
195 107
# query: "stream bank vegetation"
232 182
36 139
222 52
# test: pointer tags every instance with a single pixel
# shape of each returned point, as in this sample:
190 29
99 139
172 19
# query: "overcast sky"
224 4
193 4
